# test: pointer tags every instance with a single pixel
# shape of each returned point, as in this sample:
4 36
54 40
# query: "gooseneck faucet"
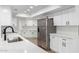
4 32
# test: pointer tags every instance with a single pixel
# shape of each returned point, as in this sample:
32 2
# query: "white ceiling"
37 9
22 10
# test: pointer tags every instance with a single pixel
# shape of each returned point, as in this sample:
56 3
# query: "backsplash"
68 30
28 28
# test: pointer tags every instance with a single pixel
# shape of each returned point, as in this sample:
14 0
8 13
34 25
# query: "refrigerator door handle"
38 29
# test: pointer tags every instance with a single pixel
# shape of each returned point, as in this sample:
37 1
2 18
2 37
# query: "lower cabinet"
55 44
62 45
66 45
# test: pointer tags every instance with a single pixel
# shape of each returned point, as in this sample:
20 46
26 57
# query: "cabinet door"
58 20
51 41
54 44
70 46
61 20
64 45
73 20
67 45
67 18
5 17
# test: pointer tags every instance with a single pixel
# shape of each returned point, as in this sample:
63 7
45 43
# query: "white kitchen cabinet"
62 45
67 17
61 20
64 19
55 43
67 45
58 20
73 19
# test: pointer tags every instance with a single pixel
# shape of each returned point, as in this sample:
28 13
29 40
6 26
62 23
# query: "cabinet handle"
64 42
67 22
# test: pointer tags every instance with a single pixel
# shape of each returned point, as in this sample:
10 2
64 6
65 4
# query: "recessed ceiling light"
28 9
22 15
5 10
35 5
31 7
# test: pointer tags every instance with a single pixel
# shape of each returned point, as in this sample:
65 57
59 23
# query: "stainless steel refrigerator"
45 27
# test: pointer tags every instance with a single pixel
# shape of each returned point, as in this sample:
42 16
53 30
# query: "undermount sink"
14 40
13 37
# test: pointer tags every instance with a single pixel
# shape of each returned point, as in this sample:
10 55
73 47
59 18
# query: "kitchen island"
24 46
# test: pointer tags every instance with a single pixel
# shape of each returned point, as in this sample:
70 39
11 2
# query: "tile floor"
34 40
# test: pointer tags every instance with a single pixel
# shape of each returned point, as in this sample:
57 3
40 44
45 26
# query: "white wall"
15 24
5 16
27 27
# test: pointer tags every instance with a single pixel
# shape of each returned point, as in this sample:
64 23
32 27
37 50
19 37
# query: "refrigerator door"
45 27
42 33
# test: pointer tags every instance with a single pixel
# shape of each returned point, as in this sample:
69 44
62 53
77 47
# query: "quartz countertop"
22 46
64 36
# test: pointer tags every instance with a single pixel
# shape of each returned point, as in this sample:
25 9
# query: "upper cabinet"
67 17
5 16
58 20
